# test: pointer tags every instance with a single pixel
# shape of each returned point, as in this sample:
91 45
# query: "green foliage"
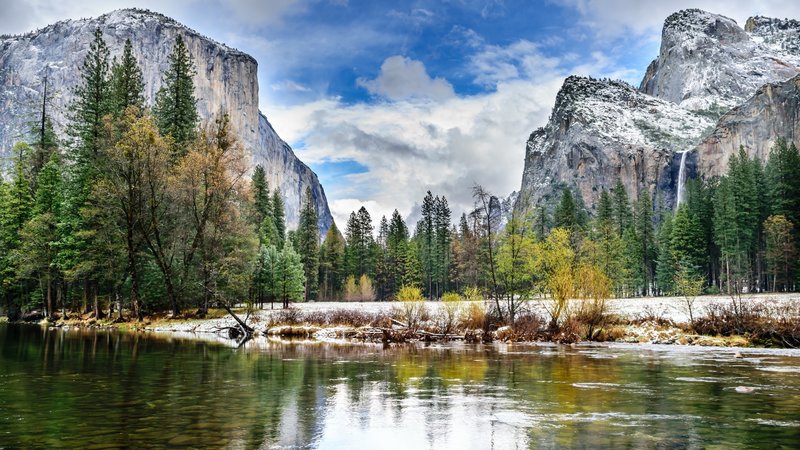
566 213
332 270
279 217
289 276
308 244
176 106
126 83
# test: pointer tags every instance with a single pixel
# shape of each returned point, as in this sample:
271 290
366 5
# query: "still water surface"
87 389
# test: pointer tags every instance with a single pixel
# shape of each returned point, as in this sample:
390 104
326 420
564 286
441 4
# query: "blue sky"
387 99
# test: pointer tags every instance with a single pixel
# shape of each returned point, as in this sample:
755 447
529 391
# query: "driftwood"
242 331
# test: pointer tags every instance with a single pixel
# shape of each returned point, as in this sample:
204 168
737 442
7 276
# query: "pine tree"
264 278
425 236
623 218
332 270
645 236
687 242
126 83
39 236
566 213
442 244
308 244
412 272
279 217
289 276
16 210
605 209
80 251
665 264
44 140
396 251
176 106
780 251
92 103
783 177
262 204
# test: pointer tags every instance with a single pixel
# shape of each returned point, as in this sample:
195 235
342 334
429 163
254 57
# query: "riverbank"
659 320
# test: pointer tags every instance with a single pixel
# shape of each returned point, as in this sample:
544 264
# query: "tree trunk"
94 288
49 296
134 275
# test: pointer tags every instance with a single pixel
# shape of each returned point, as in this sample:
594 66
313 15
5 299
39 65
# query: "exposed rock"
226 81
770 114
707 62
603 130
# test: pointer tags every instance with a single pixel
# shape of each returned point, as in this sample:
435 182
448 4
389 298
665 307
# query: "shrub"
528 326
594 290
472 294
450 309
288 316
409 294
473 317
451 297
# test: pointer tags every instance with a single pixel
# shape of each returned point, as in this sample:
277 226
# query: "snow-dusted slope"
707 62
226 80
603 130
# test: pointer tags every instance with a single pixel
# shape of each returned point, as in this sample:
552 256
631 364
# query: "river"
93 389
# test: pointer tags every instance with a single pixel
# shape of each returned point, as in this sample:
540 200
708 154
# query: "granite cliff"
226 80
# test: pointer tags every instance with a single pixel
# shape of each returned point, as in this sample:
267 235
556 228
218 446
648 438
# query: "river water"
86 389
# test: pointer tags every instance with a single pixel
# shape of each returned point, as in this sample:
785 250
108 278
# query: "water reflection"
94 389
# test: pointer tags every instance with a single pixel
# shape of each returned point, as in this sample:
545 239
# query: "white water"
681 178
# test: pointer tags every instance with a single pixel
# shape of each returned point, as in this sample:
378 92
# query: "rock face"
603 130
226 80
709 63
770 114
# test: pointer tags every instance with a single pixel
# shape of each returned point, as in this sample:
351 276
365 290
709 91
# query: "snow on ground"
673 308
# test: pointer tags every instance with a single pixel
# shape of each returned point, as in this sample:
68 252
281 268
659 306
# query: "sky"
385 100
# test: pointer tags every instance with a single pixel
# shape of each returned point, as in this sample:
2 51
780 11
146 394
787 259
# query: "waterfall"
681 178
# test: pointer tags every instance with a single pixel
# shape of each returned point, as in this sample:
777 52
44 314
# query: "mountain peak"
699 21
707 62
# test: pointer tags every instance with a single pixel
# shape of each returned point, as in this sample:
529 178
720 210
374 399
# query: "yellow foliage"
472 294
351 291
451 297
409 294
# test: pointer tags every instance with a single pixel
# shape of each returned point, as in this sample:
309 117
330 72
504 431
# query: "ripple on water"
777 423
782 369
707 379
596 385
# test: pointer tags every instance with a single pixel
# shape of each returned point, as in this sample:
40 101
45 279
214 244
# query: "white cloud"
289 85
413 144
404 78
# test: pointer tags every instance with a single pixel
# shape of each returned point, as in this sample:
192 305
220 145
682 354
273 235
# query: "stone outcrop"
770 114
226 80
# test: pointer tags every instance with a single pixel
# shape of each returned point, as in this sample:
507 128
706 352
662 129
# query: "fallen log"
244 330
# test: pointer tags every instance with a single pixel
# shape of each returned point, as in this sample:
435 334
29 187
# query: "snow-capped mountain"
226 80
603 130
